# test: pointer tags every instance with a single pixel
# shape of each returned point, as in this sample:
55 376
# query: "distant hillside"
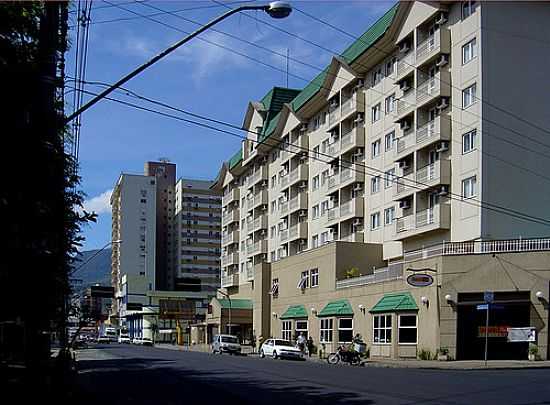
96 271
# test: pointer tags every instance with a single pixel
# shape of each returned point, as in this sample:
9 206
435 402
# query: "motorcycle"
345 354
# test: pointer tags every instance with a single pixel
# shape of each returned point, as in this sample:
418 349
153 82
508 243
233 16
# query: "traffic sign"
489 297
482 307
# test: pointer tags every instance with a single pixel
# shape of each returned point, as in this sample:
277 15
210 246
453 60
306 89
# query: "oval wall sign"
420 280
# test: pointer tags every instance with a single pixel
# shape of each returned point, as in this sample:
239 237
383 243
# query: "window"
275 287
469 51
324 177
315 241
301 328
376 112
469 96
305 278
377 76
407 329
273 206
390 103
390 66
389 141
273 230
468 8
389 215
325 334
375 220
273 181
381 329
469 187
389 177
316 152
469 141
345 330
324 207
315 211
286 330
324 237
375 185
315 182
324 145
375 148
314 278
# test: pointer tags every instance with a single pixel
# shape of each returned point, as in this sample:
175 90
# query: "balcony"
230 238
300 144
351 174
333 216
333 116
436 173
405 104
333 149
284 180
333 182
439 42
431 219
283 208
285 154
298 203
404 186
354 237
230 280
233 195
405 65
231 259
257 224
298 174
405 145
352 208
352 105
260 198
353 139
298 231
257 176
257 248
230 217
283 235
433 131
431 88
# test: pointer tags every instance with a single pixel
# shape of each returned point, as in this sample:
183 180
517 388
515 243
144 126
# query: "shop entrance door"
508 310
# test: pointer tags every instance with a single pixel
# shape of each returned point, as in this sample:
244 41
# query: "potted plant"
533 351
443 354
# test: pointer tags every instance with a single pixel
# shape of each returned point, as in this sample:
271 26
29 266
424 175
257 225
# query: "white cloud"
99 204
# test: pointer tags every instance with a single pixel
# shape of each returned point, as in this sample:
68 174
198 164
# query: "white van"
226 344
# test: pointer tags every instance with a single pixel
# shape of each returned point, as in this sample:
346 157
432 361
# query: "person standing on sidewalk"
309 346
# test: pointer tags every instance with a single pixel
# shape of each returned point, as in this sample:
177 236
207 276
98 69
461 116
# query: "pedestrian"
309 346
301 342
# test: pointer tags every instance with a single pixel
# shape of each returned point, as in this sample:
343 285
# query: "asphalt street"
125 374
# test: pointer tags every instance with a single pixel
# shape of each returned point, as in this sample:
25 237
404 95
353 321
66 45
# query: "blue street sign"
482 307
496 306
489 297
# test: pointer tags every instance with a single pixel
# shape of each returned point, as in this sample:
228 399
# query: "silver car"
226 344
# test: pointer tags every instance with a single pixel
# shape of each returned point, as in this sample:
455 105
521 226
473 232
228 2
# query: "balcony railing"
284 180
230 259
283 208
332 214
354 237
429 173
333 149
351 105
432 218
439 41
230 280
352 207
406 104
393 272
405 65
283 235
428 90
355 138
333 182
298 231
428 130
257 247
333 116
298 174
231 237
258 223
405 143
260 174
231 216
353 173
260 198
298 202
233 195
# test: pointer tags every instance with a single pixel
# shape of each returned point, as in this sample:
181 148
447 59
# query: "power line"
470 201
442 81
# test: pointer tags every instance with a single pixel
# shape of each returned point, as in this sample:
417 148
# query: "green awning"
236 303
337 308
295 311
395 302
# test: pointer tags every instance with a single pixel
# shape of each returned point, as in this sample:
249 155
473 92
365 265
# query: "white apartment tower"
430 127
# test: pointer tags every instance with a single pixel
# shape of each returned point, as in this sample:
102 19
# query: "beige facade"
387 149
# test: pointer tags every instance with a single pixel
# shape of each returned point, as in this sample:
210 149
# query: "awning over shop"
295 311
236 303
395 302
337 308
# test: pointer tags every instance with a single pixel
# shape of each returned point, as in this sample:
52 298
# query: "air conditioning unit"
358 187
405 204
442 18
357 222
359 118
443 60
404 85
359 152
264 183
360 83
442 146
403 164
443 191
263 232
303 242
303 127
302 213
443 103
303 184
303 156
334 103
405 125
404 47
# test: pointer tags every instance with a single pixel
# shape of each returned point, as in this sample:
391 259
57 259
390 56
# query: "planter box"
442 357
532 357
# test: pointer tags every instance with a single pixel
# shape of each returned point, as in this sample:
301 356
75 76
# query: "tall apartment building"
197 230
395 144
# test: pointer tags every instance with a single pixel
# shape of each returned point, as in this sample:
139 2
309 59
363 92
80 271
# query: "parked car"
104 339
124 339
143 341
279 348
226 344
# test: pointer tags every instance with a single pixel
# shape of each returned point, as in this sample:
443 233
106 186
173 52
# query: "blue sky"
199 77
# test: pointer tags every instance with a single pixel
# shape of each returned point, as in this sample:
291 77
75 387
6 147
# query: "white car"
226 344
279 348
124 339
143 341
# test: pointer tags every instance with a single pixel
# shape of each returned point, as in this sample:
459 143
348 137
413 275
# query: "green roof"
295 311
364 42
337 308
395 302
236 159
236 303
273 103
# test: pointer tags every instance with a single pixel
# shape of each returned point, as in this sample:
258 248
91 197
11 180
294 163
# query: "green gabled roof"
236 303
395 302
236 159
295 311
273 102
337 308
364 42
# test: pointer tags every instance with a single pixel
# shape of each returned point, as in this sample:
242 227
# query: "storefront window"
407 329
326 330
382 328
301 327
345 330
287 330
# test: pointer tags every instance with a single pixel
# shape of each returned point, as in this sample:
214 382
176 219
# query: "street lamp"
276 9
229 298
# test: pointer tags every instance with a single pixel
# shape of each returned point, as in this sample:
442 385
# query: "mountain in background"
96 271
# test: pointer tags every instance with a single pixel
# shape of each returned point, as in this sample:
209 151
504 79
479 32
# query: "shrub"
443 351
424 354
353 272
533 349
